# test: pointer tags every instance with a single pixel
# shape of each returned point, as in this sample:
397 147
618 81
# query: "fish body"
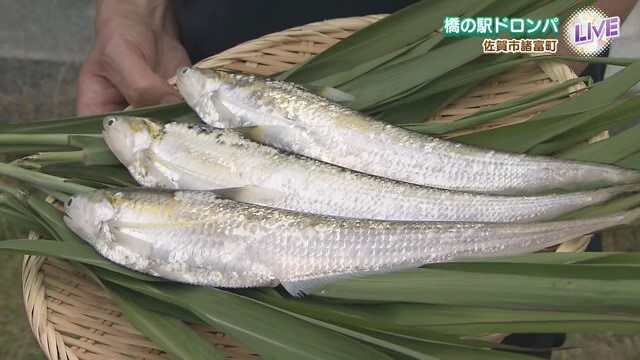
288 117
199 157
199 238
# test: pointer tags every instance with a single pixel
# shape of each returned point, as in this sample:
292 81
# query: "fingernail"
170 99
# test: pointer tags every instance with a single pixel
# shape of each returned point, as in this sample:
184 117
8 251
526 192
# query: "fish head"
209 91
129 136
195 84
86 215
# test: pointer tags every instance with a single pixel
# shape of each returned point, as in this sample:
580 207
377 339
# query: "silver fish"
199 157
198 238
288 117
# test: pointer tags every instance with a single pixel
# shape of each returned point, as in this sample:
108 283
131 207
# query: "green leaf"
34 139
275 335
383 37
83 254
602 93
609 151
106 175
53 218
19 220
42 180
95 150
461 77
447 351
500 290
393 57
623 112
419 111
93 124
171 334
631 162
498 111
559 119
418 71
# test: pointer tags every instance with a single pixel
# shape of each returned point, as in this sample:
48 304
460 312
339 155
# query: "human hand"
136 49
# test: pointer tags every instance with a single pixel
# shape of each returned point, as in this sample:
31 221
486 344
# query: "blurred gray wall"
42 44
56 30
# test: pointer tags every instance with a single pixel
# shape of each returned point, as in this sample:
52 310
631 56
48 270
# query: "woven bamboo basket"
71 315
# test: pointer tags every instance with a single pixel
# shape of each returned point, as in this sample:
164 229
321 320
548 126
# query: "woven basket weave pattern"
71 315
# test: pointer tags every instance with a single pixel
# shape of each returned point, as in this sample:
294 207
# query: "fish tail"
630 176
620 189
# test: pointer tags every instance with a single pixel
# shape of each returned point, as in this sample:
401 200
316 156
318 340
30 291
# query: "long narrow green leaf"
498 111
500 290
106 175
385 36
417 71
600 94
171 334
478 71
360 316
42 180
30 149
93 124
391 58
83 254
430 321
275 335
632 259
18 202
95 150
447 351
34 139
377 341
576 112
573 271
53 218
631 162
467 321
536 132
411 73
623 112
609 150
19 220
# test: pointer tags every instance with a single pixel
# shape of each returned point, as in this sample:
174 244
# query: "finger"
95 94
138 83
179 58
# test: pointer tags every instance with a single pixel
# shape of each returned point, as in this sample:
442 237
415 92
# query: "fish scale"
189 157
290 118
229 244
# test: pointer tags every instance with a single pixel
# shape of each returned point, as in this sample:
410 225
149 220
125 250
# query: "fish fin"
249 132
156 173
299 288
251 194
225 116
130 241
330 93
160 270
272 135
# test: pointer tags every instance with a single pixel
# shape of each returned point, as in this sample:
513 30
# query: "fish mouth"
191 84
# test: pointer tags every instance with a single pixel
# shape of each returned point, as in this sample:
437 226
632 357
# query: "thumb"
139 84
